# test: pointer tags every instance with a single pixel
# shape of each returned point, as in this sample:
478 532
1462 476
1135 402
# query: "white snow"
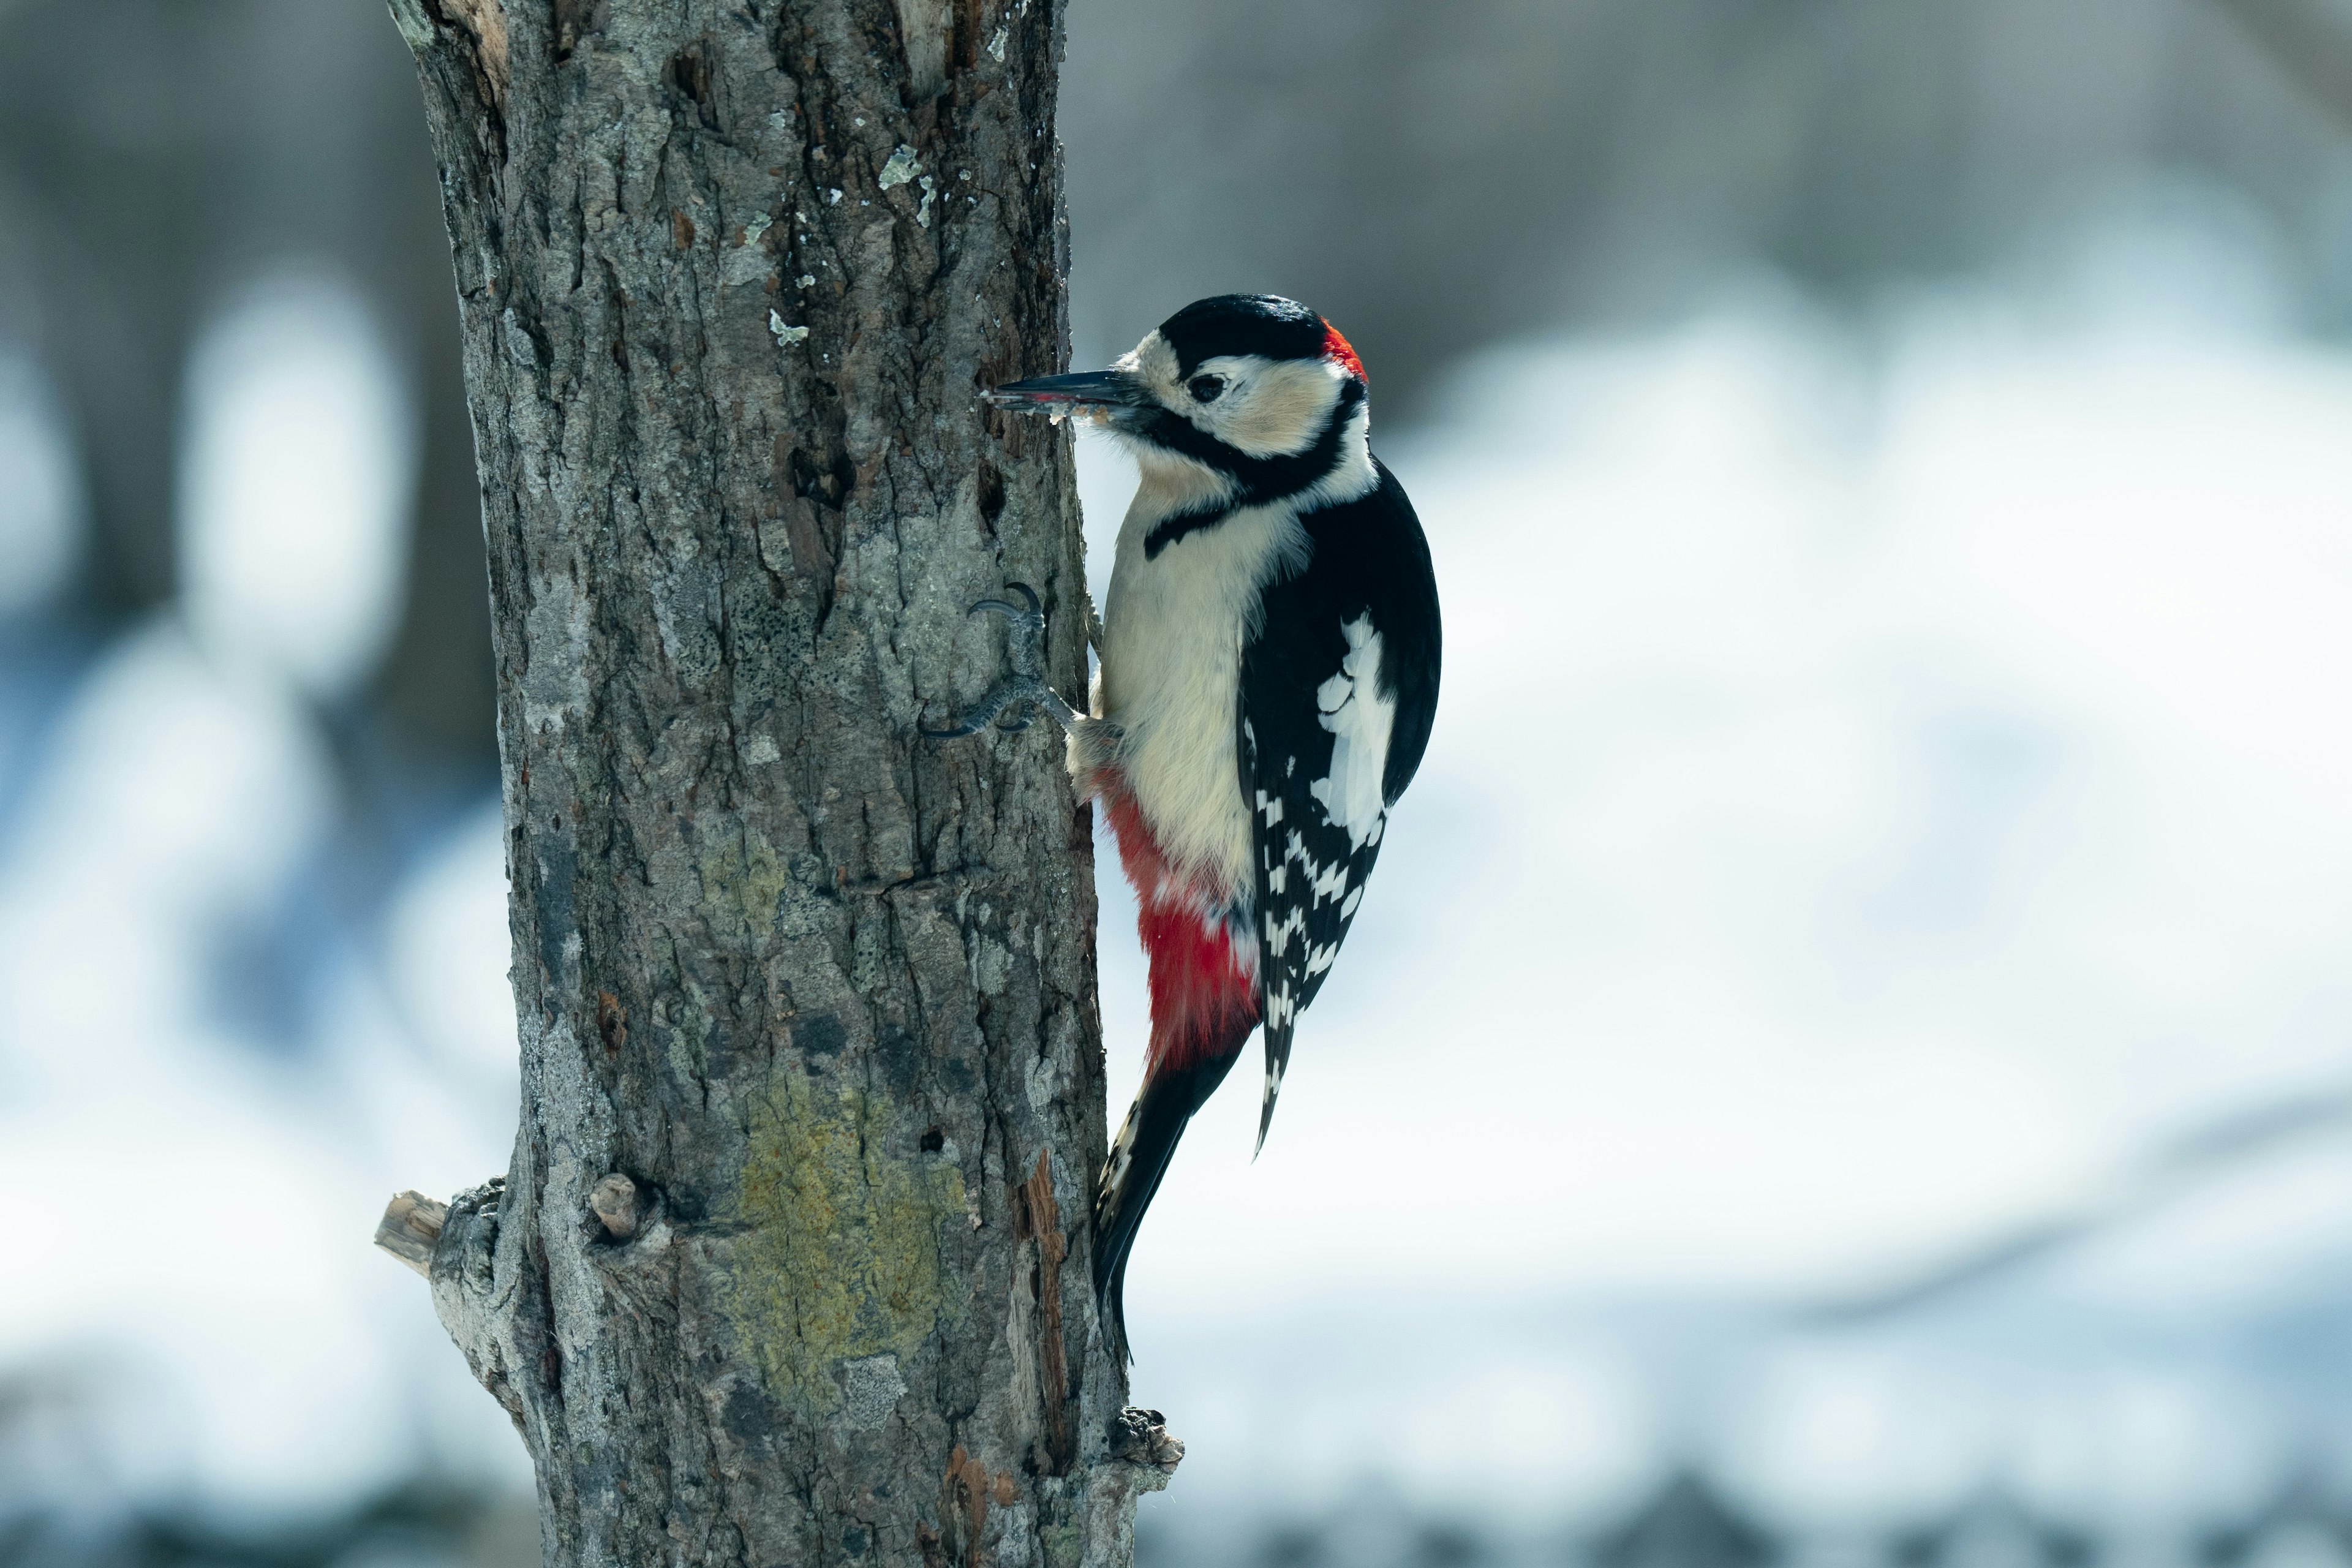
298 473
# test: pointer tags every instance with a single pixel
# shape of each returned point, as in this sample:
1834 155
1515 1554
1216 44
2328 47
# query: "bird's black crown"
1263 324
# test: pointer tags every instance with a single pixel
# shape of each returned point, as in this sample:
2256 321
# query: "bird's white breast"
1173 627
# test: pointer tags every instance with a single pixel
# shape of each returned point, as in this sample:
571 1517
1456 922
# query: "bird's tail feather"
1277 1062
1139 1158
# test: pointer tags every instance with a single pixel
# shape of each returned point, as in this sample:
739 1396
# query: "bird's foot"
1025 690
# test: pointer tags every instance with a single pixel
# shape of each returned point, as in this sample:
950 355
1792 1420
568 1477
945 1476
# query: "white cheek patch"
1350 705
1271 408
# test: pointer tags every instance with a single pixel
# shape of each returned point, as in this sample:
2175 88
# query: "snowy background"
1850 1048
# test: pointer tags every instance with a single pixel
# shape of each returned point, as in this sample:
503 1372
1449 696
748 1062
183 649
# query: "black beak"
1066 394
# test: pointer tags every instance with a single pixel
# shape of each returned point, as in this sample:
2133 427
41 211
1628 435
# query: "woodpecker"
1267 679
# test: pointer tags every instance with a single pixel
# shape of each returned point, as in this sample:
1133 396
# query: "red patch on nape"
1337 350
1203 1001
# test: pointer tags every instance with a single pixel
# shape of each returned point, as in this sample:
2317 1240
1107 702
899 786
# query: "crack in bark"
1039 1223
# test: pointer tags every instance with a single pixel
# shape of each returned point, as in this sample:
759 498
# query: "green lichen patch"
1063 1541
839 1250
743 882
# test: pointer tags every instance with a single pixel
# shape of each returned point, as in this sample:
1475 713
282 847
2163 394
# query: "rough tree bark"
792 1265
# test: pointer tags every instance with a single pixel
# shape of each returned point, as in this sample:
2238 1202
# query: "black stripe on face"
1256 481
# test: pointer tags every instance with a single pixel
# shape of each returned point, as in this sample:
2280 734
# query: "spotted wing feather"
1338 689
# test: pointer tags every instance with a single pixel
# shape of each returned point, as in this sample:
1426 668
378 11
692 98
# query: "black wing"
1338 689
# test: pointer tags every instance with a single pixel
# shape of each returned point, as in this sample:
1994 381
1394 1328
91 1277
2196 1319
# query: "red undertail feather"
1203 993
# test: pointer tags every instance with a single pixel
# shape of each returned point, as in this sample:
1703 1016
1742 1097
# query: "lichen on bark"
839 1258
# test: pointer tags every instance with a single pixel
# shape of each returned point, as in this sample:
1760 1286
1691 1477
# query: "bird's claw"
1025 690
1029 614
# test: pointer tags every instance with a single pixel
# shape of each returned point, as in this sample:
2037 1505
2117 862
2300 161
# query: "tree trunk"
791 1266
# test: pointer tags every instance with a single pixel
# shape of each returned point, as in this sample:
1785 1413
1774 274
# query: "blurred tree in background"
156 154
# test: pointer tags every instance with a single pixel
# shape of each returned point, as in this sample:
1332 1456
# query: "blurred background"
1849 1057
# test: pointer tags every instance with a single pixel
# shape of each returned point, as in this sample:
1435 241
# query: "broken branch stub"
410 1228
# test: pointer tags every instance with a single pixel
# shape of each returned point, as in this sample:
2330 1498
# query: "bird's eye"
1205 388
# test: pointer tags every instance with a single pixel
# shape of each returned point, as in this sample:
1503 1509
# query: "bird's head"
1261 392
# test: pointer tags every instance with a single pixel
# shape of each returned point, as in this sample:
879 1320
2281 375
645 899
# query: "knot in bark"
1141 1438
614 1203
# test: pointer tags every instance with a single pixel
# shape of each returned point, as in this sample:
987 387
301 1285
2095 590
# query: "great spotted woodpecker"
1268 676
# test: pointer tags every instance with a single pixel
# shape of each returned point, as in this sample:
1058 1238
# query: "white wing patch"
1359 717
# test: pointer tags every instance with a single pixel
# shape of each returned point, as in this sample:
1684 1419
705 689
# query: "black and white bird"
1268 676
